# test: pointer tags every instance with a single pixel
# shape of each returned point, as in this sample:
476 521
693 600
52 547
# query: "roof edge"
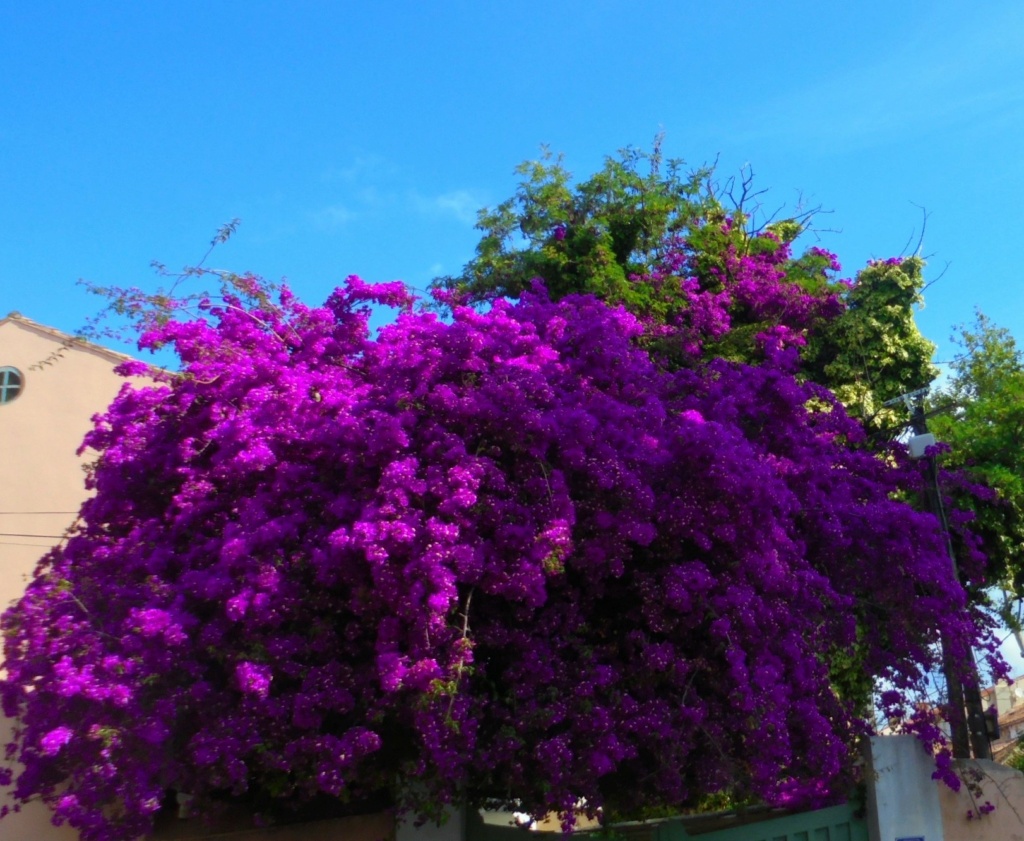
65 338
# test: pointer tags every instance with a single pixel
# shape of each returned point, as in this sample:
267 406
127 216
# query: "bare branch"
924 224
940 276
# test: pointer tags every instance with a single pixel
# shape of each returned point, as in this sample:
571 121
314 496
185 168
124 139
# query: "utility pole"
961 678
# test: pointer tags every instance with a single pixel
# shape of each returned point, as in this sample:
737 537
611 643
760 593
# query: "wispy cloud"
370 184
361 168
938 80
333 216
462 204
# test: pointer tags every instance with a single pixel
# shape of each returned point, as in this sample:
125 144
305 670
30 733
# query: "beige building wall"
989 782
64 383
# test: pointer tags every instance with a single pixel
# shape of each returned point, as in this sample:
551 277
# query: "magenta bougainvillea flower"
505 555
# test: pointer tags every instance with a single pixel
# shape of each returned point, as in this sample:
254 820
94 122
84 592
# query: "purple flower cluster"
505 556
985 808
751 282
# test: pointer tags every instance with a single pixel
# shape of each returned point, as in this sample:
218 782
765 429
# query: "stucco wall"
987 781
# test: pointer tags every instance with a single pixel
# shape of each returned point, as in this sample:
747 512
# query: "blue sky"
361 138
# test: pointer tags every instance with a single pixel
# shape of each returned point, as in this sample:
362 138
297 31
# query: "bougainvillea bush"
505 556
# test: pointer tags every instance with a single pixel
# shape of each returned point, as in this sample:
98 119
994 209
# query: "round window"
11 382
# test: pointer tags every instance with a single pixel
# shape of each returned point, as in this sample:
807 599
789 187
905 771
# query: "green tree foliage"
984 429
642 233
1016 758
589 237
874 351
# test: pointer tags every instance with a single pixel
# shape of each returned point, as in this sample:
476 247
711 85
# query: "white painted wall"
903 801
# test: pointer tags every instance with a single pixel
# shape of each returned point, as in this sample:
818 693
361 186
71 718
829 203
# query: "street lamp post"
961 679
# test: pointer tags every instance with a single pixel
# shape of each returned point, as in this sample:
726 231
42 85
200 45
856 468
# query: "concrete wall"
453 828
379 826
903 800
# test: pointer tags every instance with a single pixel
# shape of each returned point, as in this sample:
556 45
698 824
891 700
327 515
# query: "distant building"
1009 701
51 384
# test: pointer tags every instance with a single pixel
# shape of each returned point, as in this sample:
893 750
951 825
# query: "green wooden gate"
836 823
